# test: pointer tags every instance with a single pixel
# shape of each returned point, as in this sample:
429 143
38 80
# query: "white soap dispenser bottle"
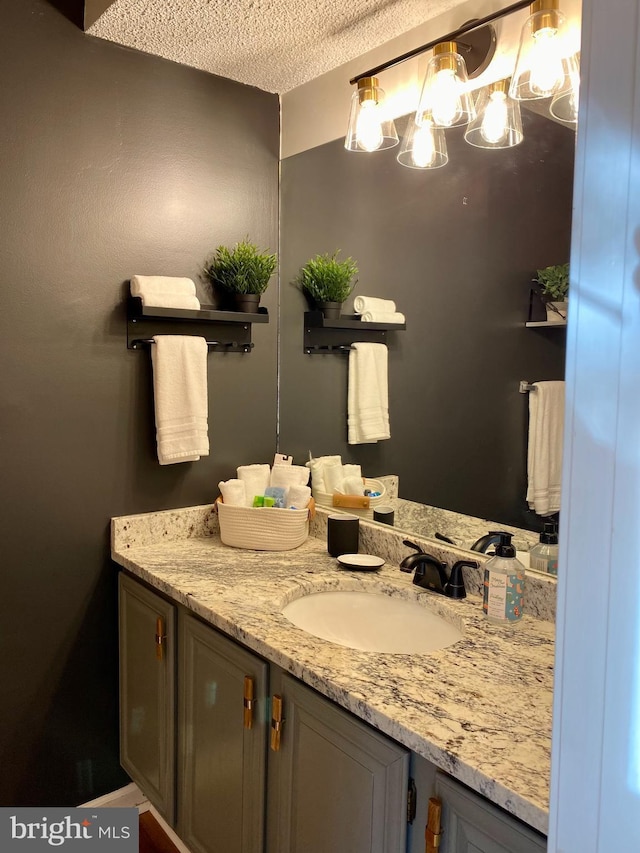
503 593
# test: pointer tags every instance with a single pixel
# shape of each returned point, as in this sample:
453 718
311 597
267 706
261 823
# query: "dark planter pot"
247 302
331 310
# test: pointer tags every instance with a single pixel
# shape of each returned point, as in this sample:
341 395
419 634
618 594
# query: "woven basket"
357 504
266 528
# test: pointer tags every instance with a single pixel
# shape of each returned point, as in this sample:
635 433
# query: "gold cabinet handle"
160 638
433 830
248 702
276 722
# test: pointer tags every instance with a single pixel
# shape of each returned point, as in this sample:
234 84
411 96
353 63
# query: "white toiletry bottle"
544 555
503 598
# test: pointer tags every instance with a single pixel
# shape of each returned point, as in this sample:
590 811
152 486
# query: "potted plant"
328 281
243 271
554 284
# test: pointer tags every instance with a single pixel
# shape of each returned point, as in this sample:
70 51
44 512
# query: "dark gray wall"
112 163
456 248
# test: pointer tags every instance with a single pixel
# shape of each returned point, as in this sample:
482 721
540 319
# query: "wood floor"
152 837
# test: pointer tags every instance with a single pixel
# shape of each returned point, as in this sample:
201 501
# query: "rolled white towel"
289 475
382 317
161 285
373 303
233 492
298 496
256 480
317 466
161 291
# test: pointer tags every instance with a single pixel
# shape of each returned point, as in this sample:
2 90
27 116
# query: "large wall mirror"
456 248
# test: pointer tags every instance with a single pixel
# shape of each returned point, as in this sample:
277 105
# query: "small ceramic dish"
360 562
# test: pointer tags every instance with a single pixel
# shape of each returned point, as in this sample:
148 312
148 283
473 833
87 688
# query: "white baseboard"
132 797
128 797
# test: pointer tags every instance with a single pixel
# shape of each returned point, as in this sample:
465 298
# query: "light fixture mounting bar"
454 36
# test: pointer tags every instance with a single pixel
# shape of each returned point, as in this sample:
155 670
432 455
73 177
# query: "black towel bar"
139 343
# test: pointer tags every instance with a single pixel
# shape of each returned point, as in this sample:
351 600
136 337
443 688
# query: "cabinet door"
335 784
147 694
471 824
222 754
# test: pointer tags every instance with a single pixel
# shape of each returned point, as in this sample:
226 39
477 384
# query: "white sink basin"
371 622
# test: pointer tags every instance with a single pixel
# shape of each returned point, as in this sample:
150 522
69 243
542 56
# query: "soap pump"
503 591
544 555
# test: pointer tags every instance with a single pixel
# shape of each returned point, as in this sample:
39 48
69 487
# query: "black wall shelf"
225 331
322 335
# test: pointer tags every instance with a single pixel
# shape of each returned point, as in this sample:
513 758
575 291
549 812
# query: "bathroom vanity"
250 734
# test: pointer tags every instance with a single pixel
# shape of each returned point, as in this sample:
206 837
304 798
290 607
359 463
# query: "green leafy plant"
243 269
326 279
554 281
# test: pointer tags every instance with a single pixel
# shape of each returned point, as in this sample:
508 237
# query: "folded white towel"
180 397
162 291
368 394
373 303
351 470
233 492
289 475
255 478
298 496
544 455
383 317
353 486
317 466
333 477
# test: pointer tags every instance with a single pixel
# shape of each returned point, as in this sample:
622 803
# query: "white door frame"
595 785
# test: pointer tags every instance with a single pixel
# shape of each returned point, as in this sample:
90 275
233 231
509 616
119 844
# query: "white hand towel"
372 303
353 486
255 478
544 455
383 317
162 291
351 470
233 492
180 397
298 497
368 394
289 475
317 466
333 477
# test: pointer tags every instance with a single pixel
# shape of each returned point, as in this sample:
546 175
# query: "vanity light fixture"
498 123
445 96
565 104
423 145
369 129
541 67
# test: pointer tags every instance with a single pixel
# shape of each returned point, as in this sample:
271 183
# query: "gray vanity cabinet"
147 692
471 824
222 737
335 785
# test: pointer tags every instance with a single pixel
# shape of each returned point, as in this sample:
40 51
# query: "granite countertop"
479 710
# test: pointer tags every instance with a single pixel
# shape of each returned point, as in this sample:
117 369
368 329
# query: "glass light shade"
369 128
498 123
423 145
565 103
540 71
445 96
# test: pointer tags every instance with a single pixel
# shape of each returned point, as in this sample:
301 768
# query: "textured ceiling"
275 45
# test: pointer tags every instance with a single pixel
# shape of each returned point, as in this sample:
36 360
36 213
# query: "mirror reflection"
456 249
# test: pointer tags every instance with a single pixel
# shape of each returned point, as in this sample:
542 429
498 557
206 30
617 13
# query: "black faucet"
485 542
430 573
